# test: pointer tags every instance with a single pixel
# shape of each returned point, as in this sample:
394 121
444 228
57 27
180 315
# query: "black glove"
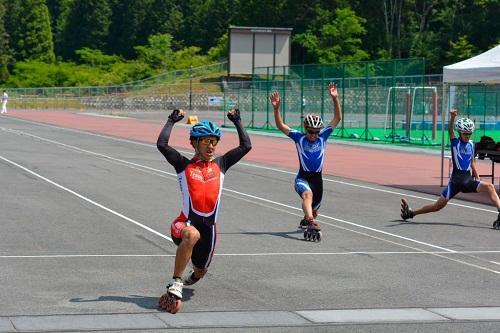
235 116
175 116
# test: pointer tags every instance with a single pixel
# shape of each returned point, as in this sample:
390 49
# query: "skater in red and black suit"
200 178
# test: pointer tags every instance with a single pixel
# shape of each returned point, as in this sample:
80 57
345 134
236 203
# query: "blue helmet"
205 128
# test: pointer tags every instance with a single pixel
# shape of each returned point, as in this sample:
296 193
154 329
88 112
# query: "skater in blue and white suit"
311 152
464 177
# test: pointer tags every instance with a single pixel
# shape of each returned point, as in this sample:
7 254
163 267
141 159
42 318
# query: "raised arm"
276 102
451 123
235 154
173 156
337 113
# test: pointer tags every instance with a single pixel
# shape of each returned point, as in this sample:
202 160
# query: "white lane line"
366 187
87 199
340 220
237 192
280 204
93 114
263 254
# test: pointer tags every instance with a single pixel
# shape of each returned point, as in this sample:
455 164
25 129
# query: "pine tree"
28 24
59 11
87 26
5 55
165 17
127 26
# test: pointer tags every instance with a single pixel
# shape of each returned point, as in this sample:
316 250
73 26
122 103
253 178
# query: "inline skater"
201 179
311 149
464 177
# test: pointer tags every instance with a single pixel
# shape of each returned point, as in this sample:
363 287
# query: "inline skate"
406 212
171 301
496 224
312 232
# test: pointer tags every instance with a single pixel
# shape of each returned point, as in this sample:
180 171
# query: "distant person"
464 177
5 97
311 152
200 178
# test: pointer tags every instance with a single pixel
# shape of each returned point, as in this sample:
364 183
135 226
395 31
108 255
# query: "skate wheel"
169 303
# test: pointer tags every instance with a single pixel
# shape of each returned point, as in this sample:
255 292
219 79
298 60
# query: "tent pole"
443 119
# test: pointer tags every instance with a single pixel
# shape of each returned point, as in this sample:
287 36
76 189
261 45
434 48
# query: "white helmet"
313 121
464 125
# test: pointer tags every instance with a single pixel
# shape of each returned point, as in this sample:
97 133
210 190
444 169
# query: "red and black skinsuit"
201 187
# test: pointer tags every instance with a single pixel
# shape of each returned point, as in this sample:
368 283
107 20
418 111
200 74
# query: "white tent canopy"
483 68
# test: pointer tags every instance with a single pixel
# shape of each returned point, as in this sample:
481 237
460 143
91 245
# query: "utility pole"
190 87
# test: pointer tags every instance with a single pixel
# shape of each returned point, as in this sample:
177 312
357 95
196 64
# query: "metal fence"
382 101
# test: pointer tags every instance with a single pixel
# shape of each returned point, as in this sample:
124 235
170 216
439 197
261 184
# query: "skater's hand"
275 100
453 113
234 115
332 90
176 115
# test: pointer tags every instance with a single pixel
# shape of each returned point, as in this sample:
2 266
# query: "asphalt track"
85 246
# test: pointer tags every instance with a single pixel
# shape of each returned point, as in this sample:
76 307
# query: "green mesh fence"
479 103
381 100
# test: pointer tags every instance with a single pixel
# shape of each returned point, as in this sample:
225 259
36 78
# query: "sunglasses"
208 140
312 132
466 134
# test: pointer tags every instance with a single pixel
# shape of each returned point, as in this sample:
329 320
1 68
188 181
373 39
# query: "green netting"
381 100
479 103
387 101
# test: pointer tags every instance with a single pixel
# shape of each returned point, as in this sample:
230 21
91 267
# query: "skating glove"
234 117
176 116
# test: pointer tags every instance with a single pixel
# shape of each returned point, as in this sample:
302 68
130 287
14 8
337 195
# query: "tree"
336 41
210 20
87 26
165 17
5 53
96 58
31 35
59 11
221 50
128 23
158 53
460 50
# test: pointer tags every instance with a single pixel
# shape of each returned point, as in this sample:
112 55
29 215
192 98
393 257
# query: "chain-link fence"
480 103
188 89
382 101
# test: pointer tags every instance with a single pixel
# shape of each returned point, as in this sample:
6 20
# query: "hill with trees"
105 42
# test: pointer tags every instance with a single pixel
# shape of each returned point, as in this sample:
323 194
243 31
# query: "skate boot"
190 279
171 301
406 212
312 232
303 224
496 224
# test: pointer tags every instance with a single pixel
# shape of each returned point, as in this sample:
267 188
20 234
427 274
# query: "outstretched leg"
408 213
492 194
